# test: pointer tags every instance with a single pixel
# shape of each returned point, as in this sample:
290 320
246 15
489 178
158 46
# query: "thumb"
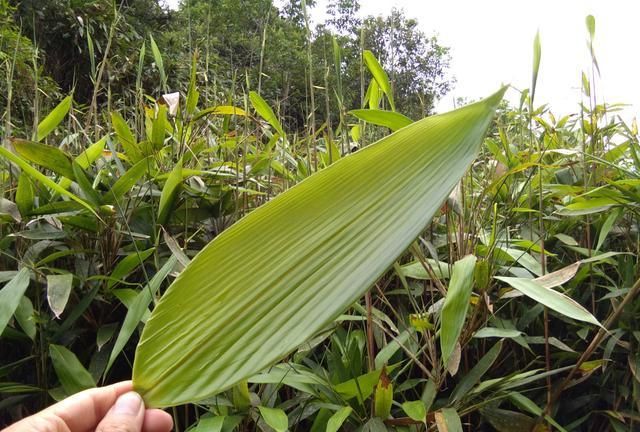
126 415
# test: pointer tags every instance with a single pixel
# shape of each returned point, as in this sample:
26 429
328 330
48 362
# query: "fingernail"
128 404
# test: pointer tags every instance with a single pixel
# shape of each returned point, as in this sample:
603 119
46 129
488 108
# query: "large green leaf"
292 266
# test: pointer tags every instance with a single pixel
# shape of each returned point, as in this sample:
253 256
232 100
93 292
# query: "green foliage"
123 193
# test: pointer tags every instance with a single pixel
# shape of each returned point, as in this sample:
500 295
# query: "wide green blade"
290 267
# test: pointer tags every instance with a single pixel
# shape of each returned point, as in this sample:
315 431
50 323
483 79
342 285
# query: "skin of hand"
114 408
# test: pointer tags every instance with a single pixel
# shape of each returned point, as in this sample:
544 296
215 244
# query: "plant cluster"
515 309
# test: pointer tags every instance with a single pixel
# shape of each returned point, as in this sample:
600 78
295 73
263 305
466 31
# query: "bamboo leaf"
159 127
127 265
10 296
169 192
380 76
474 375
128 180
390 119
138 308
58 290
53 119
537 53
448 420
37 175
221 110
271 281
415 410
72 375
24 194
264 110
554 300
25 317
126 138
456 303
51 158
157 58
337 419
275 417
383 397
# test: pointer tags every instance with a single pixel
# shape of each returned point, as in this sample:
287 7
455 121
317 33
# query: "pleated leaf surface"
290 267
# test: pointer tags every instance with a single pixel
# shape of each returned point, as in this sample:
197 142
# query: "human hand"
114 408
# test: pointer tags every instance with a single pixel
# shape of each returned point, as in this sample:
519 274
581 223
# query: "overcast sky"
491 43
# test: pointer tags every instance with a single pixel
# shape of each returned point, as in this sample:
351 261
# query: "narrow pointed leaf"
37 175
265 111
157 58
390 119
53 119
25 317
220 110
125 137
292 266
72 375
380 76
10 296
537 53
550 298
477 372
128 180
169 192
138 308
337 419
51 158
456 304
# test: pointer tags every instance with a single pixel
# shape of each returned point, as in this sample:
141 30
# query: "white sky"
491 43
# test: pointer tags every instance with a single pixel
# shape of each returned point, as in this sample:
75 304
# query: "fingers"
156 420
126 415
83 411
112 408
78 413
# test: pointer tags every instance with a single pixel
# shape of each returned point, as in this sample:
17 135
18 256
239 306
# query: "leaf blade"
554 300
259 316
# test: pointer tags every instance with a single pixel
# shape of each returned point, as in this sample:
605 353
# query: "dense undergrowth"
100 208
